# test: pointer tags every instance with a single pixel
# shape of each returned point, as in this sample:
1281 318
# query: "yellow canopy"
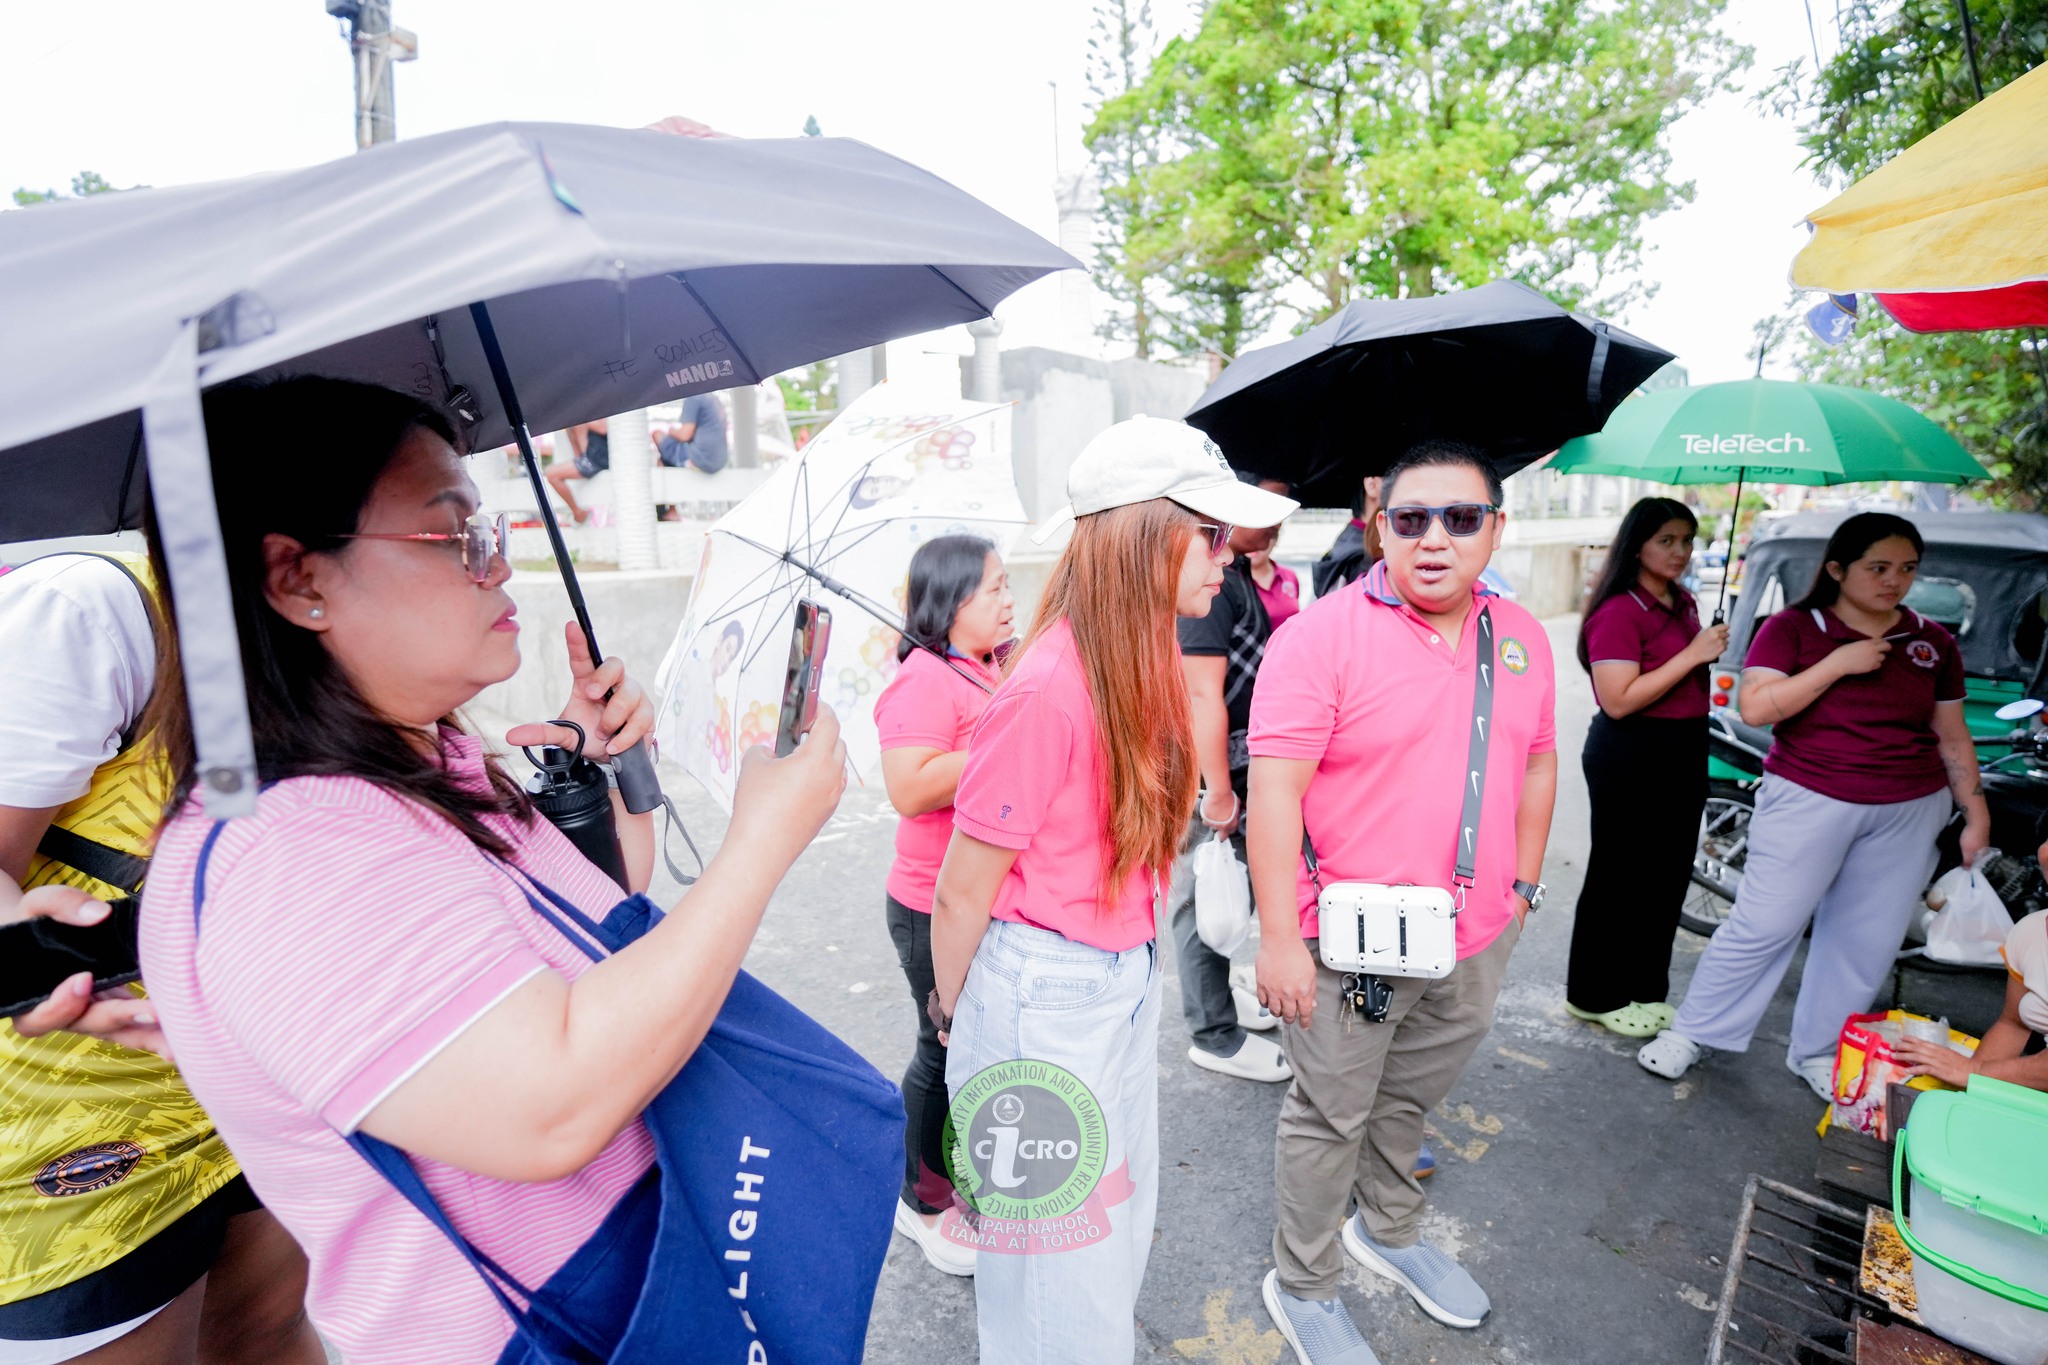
1963 209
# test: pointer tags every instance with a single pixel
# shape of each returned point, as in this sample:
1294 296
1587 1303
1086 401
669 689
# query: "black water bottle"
571 791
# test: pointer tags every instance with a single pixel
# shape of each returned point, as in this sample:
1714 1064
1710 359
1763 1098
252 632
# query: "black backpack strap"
94 859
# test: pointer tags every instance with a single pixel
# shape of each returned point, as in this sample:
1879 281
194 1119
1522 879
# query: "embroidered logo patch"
1923 653
1514 655
88 1169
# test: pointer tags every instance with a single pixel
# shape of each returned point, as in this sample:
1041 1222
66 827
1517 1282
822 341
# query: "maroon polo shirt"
1633 627
1869 738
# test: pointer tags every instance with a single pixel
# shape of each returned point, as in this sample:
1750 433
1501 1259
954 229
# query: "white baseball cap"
1152 457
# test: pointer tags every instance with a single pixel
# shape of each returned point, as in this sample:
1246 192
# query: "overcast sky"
164 94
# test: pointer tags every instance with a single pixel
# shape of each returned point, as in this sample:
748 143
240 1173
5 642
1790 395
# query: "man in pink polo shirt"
1360 729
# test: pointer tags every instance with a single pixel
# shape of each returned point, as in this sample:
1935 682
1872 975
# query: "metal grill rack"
1791 1296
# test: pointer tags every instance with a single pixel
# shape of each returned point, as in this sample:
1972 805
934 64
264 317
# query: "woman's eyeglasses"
1219 536
480 537
1411 521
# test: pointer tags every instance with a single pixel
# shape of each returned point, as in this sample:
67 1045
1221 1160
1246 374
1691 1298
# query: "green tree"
82 184
1317 151
1119 44
1901 71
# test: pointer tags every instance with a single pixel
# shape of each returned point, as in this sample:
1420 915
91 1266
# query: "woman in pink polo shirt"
1078 784
958 611
371 961
1869 756
1278 587
1643 643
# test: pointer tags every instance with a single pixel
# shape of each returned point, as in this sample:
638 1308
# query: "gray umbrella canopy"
621 268
615 268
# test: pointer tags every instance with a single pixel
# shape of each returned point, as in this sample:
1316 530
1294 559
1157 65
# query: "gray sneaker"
1435 1281
1320 1330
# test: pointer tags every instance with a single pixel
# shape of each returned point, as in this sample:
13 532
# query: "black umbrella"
1500 366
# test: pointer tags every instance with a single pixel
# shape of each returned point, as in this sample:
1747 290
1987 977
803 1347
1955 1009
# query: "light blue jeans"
1035 994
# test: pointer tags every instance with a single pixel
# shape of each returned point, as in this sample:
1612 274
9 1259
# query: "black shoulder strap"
94 859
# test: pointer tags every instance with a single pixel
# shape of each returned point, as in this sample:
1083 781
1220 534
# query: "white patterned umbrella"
837 525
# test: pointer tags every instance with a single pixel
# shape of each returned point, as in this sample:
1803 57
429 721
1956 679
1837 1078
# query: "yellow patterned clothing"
101 1146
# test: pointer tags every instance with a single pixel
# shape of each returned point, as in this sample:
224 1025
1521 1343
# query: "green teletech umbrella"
1768 431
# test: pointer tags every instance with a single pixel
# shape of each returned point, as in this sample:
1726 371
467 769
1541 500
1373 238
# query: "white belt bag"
1411 930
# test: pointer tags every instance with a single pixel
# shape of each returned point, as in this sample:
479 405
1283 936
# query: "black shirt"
1236 629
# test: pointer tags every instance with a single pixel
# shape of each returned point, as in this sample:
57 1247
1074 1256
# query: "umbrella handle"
639 788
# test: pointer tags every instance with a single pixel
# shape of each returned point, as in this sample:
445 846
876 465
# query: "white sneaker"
1250 1013
1818 1073
1257 1058
1669 1055
944 1255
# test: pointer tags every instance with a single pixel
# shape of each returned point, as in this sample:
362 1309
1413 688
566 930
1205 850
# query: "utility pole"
374 45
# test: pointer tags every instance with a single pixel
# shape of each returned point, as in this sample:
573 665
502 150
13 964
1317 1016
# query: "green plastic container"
1976 1165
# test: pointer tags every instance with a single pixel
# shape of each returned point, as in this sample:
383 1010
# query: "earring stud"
318 613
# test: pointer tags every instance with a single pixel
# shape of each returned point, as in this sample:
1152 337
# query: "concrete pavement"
1591 1199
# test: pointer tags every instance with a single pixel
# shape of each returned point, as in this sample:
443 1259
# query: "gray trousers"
1856 872
1351 1125
1205 1000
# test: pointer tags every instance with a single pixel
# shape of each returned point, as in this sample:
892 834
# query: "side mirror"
2021 709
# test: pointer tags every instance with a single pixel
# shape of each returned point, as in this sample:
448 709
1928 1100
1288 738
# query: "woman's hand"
610 727
1938 1060
114 1015
1217 817
1710 644
1976 835
1859 656
780 804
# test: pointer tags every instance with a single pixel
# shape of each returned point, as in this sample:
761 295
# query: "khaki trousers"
1351 1125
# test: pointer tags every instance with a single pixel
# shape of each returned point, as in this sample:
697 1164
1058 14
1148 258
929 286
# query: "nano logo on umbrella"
1743 443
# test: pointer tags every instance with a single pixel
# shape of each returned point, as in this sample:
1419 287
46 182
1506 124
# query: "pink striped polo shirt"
1375 696
347 937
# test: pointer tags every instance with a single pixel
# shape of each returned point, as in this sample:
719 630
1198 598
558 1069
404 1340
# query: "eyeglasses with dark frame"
481 537
1219 536
1410 521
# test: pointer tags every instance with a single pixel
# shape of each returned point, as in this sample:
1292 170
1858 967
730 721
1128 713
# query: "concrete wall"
635 616
1063 400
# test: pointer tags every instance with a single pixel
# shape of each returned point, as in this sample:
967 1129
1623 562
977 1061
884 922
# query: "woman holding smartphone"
1646 769
958 611
1070 805
373 959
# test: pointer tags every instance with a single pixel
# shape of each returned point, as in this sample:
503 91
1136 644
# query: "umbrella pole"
1728 563
638 785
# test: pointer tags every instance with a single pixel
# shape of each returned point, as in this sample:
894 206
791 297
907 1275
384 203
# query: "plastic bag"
1223 896
1972 924
1866 1066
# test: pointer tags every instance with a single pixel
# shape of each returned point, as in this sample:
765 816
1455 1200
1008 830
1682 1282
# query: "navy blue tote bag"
759 1235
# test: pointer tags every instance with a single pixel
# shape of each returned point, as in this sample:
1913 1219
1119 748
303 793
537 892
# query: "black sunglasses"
1219 536
1411 521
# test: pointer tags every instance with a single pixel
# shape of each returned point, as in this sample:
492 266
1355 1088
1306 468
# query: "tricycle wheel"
1718 860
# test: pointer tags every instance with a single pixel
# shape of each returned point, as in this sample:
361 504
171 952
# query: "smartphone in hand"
37 955
808 639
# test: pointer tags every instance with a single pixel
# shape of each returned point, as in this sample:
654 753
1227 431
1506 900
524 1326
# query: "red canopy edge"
1976 310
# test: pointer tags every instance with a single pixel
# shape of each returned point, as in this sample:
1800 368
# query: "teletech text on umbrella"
1743 443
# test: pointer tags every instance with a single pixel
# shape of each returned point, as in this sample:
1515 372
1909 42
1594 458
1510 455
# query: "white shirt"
77 662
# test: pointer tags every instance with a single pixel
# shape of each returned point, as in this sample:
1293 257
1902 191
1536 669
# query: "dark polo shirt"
1635 628
1869 738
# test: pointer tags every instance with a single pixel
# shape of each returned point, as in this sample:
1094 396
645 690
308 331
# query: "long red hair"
1115 585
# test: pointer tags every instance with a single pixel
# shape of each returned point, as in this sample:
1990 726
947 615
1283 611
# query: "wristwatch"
1531 892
